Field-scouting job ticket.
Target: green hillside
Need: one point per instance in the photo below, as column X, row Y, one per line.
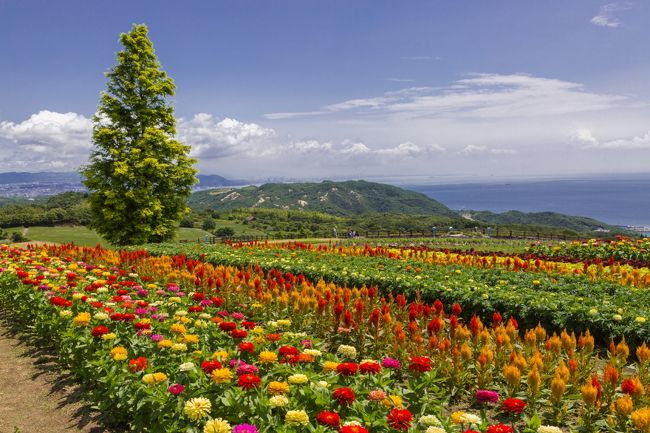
column 548, row 219
column 335, row 198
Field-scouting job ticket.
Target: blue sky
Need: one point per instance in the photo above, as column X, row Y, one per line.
column 337, row 89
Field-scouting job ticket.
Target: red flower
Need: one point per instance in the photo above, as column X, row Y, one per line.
column 330, row 419
column 248, row 381
column 227, row 326
column 98, row 331
column 142, row 325
column 239, row 333
column 420, row 363
column 247, row 347
column 628, row 386
column 353, row 429
column 469, row 430
column 456, row 309
column 346, row 368
column 370, row 367
column 288, row 350
column 137, row 364
column 399, row 419
column 60, row 302
column 273, row 337
column 210, row 366
column 513, row 405
column 499, row 428
column 248, row 324
column 344, row 396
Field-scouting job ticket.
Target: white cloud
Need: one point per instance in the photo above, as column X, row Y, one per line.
column 586, row 139
column 607, row 14
column 47, row 140
column 213, row 138
column 481, row 149
column 481, row 96
column 400, row 80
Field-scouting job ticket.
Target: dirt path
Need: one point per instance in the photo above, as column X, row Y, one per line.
column 35, row 396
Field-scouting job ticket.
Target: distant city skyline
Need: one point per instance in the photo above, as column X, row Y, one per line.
column 366, row 89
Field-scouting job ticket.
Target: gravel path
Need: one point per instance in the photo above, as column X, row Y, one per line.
column 36, row 397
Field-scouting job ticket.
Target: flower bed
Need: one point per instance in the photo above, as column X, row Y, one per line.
column 176, row 345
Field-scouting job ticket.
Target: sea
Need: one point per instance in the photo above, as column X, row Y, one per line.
column 623, row 201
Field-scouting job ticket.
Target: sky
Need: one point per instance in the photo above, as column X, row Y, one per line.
column 424, row 91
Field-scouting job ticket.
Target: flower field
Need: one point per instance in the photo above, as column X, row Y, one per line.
column 622, row 250
column 174, row 344
column 609, row 300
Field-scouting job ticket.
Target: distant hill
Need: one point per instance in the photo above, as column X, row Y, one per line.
column 214, row 180
column 335, row 198
column 43, row 177
column 552, row 219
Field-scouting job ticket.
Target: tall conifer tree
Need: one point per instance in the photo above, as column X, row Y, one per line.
column 139, row 176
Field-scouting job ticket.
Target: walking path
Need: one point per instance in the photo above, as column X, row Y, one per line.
column 35, row 396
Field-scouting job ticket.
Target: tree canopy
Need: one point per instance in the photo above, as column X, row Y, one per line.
column 139, row 176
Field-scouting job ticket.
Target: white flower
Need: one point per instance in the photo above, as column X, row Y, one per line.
column 347, row 351
column 470, row 418
column 101, row 316
column 548, row 429
column 278, row 401
column 435, row 429
column 430, row 420
column 186, row 366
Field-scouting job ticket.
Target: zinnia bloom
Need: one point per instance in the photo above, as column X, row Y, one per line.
column 346, row 368
column 499, row 428
column 217, row 425
column 119, row 353
column 369, row 367
column 197, row 408
column 275, row 388
column 248, row 381
column 245, row 428
column 221, row 375
column 400, row 419
column 296, row 417
column 486, row 396
column 420, row 363
column 137, row 364
column 344, row 396
column 98, row 331
column 391, row 363
column 353, row 429
column 267, row 357
column 330, row 419
column 209, row 366
column 513, row 405
column 176, row 389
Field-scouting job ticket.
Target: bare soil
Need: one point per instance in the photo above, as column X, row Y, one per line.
column 36, row 396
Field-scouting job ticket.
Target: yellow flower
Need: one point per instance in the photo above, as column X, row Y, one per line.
column 221, row 355
column 278, row 401
column 109, row 336
column 275, row 388
column 589, row 394
column 119, row 353
column 177, row 328
column 165, row 344
column 393, row 401
column 640, row 319
column 329, row 366
column 197, row 408
column 641, row 419
column 179, row 347
column 65, row 314
column 284, row 322
column 221, row 375
column 434, row 429
column 347, row 351
column 267, row 357
column 152, row 379
column 191, row 339
column 296, row 417
column 623, row 405
column 82, row 319
column 298, row 379
column 217, row 425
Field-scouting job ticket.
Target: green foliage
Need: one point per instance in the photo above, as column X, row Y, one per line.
column 550, row 219
column 139, row 176
column 66, row 208
column 208, row 224
column 18, row 237
column 224, row 232
column 187, row 222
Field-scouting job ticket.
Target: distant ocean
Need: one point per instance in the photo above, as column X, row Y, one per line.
column 617, row 201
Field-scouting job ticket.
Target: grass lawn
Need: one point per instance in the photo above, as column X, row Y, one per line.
column 85, row 237
column 239, row 228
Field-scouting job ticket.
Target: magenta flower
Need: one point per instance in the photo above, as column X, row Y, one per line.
column 238, row 316
column 245, row 428
column 176, row 389
column 247, row 369
column 390, row 363
column 486, row 396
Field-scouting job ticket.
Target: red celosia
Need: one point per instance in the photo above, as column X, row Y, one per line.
column 420, row 363
column 346, row 368
column 513, row 405
column 399, row 419
column 628, row 386
column 248, row 381
column 330, row 419
column 344, row 396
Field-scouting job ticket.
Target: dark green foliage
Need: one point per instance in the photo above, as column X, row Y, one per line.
column 224, row 232
column 139, row 176
column 187, row 222
column 18, row 237
column 208, row 224
column 550, row 219
column 66, row 208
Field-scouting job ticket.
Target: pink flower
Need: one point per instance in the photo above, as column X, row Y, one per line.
column 176, row 389
column 486, row 396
